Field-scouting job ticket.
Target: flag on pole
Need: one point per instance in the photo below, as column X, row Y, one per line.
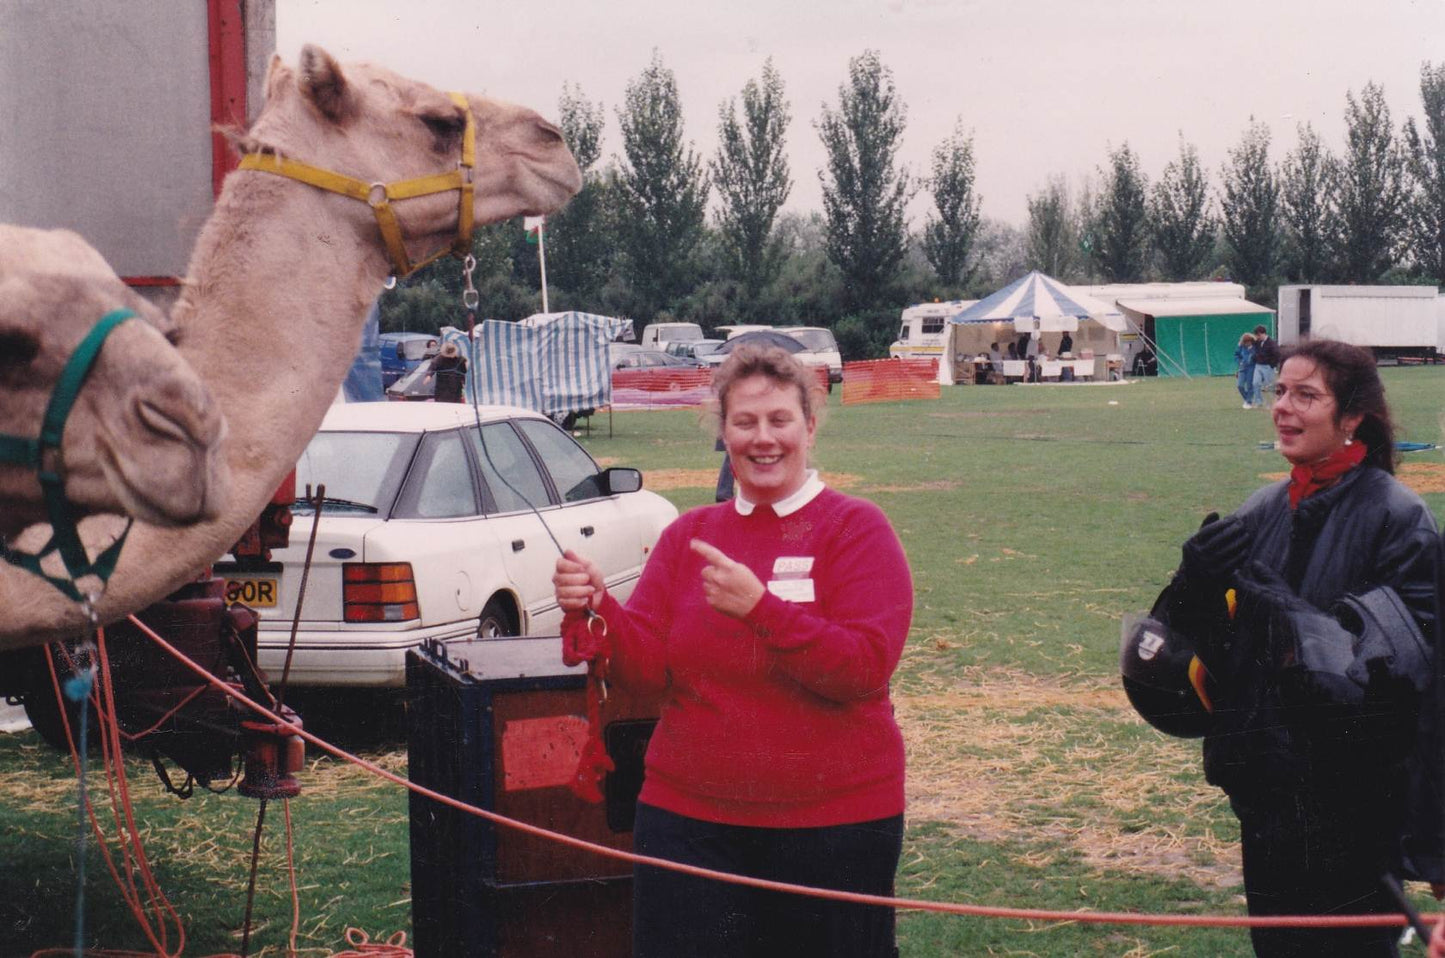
column 533, row 226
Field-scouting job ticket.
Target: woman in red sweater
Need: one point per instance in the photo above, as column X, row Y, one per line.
column 772, row 625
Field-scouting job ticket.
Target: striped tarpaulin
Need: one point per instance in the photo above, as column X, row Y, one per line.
column 1036, row 299
column 557, row 368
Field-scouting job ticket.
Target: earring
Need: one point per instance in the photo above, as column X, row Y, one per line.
column 1349, row 440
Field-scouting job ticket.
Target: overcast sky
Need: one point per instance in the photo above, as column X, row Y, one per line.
column 1046, row 86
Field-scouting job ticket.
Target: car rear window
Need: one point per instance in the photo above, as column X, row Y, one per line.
column 361, row 470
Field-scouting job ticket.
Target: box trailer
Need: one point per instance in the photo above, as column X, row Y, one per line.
column 1393, row 321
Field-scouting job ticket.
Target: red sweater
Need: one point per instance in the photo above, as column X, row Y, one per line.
column 782, row 720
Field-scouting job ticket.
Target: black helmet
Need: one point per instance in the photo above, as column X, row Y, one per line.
column 1166, row 682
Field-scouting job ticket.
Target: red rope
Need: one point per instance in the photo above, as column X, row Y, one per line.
column 908, row 904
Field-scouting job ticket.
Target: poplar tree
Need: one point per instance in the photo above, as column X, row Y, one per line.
column 1180, row 219
column 1119, row 224
column 864, row 191
column 1307, row 180
column 751, row 174
column 578, row 247
column 1251, row 207
column 948, row 237
column 1427, row 175
column 1370, row 193
column 662, row 193
column 1052, row 239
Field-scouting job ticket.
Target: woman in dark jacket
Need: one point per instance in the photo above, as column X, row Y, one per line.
column 1310, row 607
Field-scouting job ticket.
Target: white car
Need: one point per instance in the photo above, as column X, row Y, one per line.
column 432, row 529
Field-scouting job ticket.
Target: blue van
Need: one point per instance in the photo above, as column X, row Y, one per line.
column 403, row 352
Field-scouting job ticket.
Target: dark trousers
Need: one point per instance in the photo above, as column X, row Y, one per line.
column 675, row 914
column 1308, row 856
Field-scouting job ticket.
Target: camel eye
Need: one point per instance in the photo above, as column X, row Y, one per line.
column 445, row 126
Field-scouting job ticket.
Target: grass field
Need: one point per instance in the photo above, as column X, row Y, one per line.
column 1033, row 517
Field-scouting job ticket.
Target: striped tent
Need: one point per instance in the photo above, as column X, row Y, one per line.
column 1039, row 303
column 556, row 368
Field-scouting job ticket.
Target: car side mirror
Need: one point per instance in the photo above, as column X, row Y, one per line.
column 619, row 479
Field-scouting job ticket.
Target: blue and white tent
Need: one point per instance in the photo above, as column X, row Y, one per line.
column 1039, row 303
column 556, row 368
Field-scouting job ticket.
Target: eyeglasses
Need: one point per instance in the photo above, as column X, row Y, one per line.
column 1301, row 399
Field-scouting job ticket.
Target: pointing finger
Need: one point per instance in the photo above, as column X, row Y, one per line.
column 712, row 554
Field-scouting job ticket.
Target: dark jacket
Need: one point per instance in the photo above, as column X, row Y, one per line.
column 451, row 377
column 1365, row 532
column 1266, row 352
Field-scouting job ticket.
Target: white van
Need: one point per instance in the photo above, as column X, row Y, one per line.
column 921, row 334
column 658, row 335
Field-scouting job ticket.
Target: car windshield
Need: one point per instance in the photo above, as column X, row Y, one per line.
column 705, row 348
column 814, row 340
column 360, row 470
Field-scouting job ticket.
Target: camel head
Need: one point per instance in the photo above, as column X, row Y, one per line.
column 372, row 126
column 143, row 437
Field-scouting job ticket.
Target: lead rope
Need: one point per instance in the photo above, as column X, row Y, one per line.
column 584, row 639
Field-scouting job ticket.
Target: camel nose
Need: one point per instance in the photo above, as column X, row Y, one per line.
column 179, row 408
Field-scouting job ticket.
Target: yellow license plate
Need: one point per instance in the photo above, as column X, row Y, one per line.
column 258, row 593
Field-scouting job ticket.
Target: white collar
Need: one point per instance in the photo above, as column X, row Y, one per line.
column 806, row 493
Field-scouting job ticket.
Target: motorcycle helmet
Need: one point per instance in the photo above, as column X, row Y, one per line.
column 1165, row 681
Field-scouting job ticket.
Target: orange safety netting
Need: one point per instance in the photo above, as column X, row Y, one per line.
column 890, row 380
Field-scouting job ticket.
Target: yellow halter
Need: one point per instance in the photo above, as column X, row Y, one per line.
column 379, row 195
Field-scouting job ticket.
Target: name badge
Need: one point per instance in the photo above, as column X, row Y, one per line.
column 792, row 567
column 792, row 590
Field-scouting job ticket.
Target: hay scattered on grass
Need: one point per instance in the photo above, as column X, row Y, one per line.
column 1006, row 756
column 1422, row 477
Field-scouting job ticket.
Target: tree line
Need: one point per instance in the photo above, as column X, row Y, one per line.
column 638, row 240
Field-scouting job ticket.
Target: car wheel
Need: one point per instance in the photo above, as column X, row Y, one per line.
column 495, row 621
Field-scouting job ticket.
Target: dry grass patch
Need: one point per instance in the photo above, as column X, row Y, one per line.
column 1422, row 477
column 1006, row 756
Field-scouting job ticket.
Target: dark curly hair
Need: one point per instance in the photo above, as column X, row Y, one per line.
column 1353, row 379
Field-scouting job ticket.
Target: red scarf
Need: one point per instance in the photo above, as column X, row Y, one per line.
column 1308, row 479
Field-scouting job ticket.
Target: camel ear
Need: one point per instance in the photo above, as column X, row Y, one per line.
column 277, row 75
column 323, row 84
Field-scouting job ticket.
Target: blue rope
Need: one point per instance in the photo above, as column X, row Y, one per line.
column 77, row 689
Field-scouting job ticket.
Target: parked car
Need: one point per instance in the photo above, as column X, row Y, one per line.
column 696, row 352
column 403, row 352
column 658, row 335
column 436, row 527
column 649, row 359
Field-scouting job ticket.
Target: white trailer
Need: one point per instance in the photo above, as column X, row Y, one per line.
column 922, row 332
column 1392, row 321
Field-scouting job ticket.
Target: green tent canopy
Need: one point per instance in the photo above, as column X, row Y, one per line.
column 1196, row 337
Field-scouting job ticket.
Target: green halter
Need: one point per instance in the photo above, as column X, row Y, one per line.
column 21, row 451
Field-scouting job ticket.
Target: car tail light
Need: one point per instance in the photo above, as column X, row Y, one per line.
column 378, row 592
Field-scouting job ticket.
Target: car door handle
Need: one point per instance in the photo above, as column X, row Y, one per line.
column 588, row 530
column 518, row 545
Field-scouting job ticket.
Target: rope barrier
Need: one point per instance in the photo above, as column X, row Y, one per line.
column 907, row 904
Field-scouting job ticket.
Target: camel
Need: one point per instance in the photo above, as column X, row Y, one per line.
column 279, row 284
column 144, row 435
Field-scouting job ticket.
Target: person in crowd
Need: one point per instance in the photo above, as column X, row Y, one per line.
column 1266, row 363
column 1031, row 353
column 1066, row 345
column 1244, row 369
column 1013, row 351
column 449, row 369
column 1312, row 609
column 770, row 625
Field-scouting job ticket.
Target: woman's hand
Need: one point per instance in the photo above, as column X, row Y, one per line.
column 577, row 582
column 730, row 587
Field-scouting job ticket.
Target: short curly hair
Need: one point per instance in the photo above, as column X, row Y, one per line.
column 774, row 363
